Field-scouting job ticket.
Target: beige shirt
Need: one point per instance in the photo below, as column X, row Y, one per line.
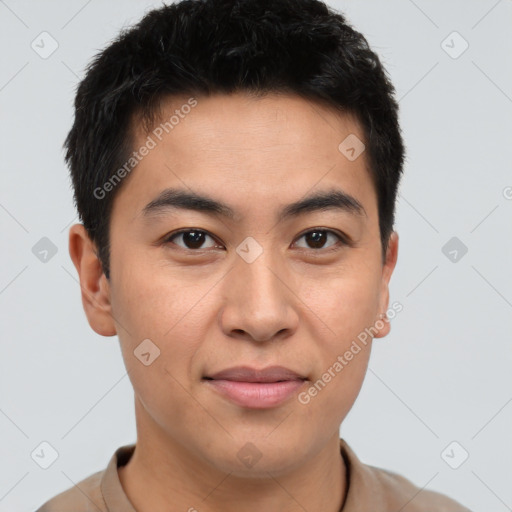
column 370, row 489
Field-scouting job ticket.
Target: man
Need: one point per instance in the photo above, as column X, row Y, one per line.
column 235, row 167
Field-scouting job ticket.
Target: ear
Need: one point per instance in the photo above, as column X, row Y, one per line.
column 93, row 283
column 387, row 270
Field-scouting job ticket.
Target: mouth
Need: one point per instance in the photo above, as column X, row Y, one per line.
column 256, row 389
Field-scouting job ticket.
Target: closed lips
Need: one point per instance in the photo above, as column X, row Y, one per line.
column 248, row 374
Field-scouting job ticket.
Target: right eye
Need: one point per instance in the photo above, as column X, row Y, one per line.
column 192, row 239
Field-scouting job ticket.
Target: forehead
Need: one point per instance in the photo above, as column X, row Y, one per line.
column 253, row 123
column 242, row 148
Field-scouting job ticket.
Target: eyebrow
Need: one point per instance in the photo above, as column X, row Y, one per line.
column 173, row 198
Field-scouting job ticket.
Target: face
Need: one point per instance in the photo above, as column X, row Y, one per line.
column 241, row 279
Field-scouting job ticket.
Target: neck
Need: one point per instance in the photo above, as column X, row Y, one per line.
column 162, row 472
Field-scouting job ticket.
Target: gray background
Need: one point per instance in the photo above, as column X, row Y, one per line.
column 444, row 372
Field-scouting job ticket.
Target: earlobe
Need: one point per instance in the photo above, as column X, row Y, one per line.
column 95, row 288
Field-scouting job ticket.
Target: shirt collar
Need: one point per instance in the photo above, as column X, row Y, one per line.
column 111, row 488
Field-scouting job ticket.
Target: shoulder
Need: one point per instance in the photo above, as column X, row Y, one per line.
column 82, row 497
column 403, row 493
column 378, row 488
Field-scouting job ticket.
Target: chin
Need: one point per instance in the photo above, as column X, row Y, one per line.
column 257, row 456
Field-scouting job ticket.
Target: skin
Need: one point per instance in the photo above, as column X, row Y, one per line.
column 296, row 305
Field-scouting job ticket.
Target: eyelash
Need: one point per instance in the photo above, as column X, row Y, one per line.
column 343, row 240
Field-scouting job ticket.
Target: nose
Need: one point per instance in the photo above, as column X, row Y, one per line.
column 259, row 303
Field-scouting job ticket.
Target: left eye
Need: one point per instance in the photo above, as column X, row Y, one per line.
column 317, row 238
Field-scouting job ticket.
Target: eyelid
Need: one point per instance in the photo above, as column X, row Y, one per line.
column 339, row 234
column 343, row 239
column 167, row 238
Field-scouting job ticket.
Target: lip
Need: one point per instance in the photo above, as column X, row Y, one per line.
column 249, row 374
column 256, row 389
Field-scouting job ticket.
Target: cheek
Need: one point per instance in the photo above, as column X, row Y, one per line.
column 345, row 305
column 149, row 304
column 149, row 298
column 329, row 399
column 342, row 310
column 343, row 362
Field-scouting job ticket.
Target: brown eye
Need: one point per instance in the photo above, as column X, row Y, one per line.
column 317, row 238
column 191, row 239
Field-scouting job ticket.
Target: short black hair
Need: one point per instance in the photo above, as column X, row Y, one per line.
column 204, row 47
